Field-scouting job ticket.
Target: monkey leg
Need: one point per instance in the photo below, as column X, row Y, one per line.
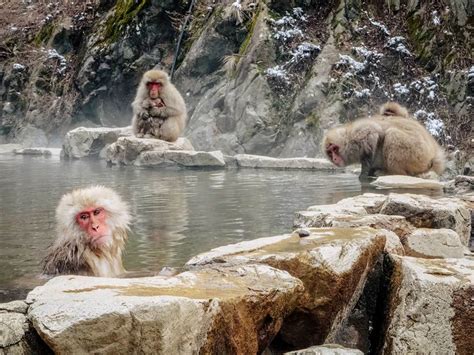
column 170, row 130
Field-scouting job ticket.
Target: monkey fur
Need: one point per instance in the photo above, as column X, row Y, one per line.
column 390, row 142
column 71, row 252
column 164, row 117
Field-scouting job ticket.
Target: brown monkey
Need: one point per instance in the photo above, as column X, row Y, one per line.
column 92, row 225
column 391, row 142
column 158, row 109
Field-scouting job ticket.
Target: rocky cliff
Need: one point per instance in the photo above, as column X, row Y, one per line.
column 260, row 77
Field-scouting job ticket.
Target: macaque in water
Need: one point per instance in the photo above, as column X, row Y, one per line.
column 91, row 225
column 390, row 142
column 158, row 109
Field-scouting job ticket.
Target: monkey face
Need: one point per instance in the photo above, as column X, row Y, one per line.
column 154, row 89
column 332, row 151
column 93, row 221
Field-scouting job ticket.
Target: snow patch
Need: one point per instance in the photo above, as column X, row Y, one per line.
column 401, row 89
column 396, row 44
column 435, row 18
column 18, row 66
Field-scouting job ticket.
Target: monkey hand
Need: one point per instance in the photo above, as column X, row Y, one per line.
column 144, row 115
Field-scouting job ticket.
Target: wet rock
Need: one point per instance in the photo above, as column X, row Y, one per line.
column 333, row 265
column 431, row 306
column 259, row 161
column 126, row 150
column 406, row 182
column 89, row 142
column 424, row 212
column 14, row 306
column 434, row 243
column 46, row 152
column 213, row 310
column 187, row 158
column 371, row 202
column 326, row 349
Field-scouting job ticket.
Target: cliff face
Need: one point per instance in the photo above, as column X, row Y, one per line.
column 262, row 77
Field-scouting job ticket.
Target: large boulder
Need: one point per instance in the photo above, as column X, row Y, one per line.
column 185, row 158
column 434, row 243
column 333, row 265
column 90, row 142
column 431, row 306
column 212, row 310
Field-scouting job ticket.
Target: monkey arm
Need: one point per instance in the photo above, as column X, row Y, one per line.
column 165, row 111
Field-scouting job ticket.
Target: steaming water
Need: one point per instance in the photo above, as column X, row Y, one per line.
column 178, row 213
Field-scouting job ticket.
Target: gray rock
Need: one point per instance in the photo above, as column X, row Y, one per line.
column 12, row 328
column 89, row 142
column 186, row 158
column 259, row 161
column 46, row 152
column 431, row 306
column 434, row 243
column 406, row 182
column 14, row 306
column 326, row 349
column 9, row 148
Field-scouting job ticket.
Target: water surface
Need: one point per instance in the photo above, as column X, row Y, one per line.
column 178, row 213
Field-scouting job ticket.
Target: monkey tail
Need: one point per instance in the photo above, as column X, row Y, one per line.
column 438, row 163
column 393, row 109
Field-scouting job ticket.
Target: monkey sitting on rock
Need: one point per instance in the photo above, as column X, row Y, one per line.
column 159, row 110
column 390, row 142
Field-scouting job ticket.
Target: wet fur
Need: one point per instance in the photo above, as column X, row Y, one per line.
column 71, row 253
column 166, row 122
column 391, row 142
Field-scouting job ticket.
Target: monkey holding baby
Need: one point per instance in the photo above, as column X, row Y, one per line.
column 390, row 142
column 159, row 110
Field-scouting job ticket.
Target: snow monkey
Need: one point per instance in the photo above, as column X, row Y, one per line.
column 390, row 141
column 158, row 109
column 91, row 225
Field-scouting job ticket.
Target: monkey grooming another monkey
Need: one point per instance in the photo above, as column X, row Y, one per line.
column 390, row 141
column 158, row 109
column 92, row 225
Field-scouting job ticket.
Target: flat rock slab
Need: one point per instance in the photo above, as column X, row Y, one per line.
column 432, row 307
column 184, row 158
column 39, row 151
column 332, row 263
column 434, row 243
column 213, row 310
column 9, row 148
column 406, row 182
column 260, row 161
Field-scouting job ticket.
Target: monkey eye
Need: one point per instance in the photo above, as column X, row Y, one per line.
column 84, row 216
column 97, row 211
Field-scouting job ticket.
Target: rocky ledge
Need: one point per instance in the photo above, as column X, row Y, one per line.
column 382, row 273
column 119, row 146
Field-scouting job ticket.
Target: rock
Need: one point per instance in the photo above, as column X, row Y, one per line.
column 212, row 310
column 127, row 149
column 372, row 203
column 89, row 142
column 12, row 328
column 424, row 212
column 14, row 306
column 46, row 152
column 326, row 349
column 260, row 161
column 9, row 148
column 434, row 243
column 406, row 182
column 431, row 306
column 187, row 158
column 325, row 215
column 333, row 265
column 30, row 136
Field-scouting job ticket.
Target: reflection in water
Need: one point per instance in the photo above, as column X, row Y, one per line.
column 177, row 213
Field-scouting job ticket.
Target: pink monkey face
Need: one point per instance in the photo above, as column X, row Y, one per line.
column 93, row 221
